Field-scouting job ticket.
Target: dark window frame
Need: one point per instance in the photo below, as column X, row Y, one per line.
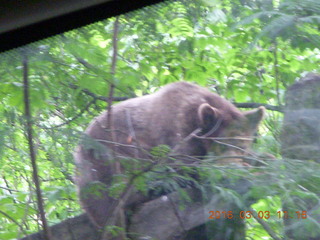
column 24, row 22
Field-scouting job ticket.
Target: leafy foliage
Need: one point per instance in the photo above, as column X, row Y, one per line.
column 247, row 51
column 293, row 20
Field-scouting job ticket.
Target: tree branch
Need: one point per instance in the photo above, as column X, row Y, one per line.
column 73, row 118
column 255, row 105
column 240, row 105
column 95, row 96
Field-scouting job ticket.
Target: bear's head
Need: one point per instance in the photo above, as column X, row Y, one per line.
column 229, row 142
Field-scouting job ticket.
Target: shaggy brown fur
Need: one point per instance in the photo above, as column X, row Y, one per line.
column 167, row 117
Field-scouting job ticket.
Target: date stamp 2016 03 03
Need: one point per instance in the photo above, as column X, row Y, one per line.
column 257, row 214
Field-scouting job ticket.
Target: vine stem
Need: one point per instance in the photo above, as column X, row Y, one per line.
column 113, row 70
column 121, row 222
column 276, row 69
column 46, row 230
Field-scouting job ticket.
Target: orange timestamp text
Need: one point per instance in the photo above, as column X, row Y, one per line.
column 257, row 214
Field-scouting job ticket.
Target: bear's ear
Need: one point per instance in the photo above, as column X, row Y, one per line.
column 255, row 116
column 208, row 116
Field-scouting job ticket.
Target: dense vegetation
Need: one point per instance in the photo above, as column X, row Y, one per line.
column 249, row 51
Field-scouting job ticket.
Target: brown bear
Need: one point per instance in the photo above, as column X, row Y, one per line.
column 188, row 118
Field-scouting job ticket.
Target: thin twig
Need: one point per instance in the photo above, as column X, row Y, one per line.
column 276, row 69
column 118, row 212
column 14, row 221
column 7, row 186
column 186, row 139
column 111, row 91
column 235, row 147
column 176, row 213
column 264, row 225
column 9, row 189
column 123, row 145
column 46, row 230
column 113, row 70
